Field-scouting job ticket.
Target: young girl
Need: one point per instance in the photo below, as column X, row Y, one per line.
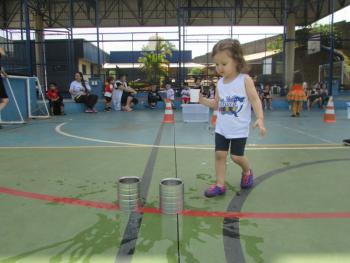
column 234, row 97
column 185, row 94
column 108, row 93
column 170, row 94
column 297, row 95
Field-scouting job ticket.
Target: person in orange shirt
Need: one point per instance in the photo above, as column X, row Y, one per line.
column 296, row 96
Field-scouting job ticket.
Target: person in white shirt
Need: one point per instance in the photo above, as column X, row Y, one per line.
column 80, row 91
column 170, row 94
column 234, row 98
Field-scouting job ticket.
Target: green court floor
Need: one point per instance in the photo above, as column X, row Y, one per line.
column 298, row 210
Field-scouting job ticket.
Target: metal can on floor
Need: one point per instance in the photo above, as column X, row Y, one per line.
column 129, row 193
column 171, row 194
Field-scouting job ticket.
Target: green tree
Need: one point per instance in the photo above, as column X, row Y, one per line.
column 304, row 34
column 276, row 44
column 154, row 59
column 195, row 72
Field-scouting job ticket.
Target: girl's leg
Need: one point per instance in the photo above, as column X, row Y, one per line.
column 220, row 167
column 3, row 102
column 243, row 162
column 294, row 108
column 270, row 103
column 128, row 104
column 300, row 106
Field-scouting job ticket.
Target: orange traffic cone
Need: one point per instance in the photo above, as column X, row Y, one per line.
column 214, row 117
column 329, row 115
column 169, row 114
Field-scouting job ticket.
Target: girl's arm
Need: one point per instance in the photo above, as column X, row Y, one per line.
column 211, row 103
column 2, row 72
column 73, row 88
column 254, row 99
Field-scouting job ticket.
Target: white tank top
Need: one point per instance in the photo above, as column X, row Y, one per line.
column 234, row 111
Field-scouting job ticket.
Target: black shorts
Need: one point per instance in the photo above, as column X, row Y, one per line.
column 125, row 96
column 223, row 144
column 3, row 94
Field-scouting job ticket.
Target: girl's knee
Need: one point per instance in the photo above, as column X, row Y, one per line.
column 220, row 156
column 236, row 158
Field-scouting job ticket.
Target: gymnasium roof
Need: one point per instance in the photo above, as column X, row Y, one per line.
column 127, row 13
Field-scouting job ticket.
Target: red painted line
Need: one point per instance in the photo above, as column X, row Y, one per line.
column 263, row 215
column 58, row 199
column 192, row 213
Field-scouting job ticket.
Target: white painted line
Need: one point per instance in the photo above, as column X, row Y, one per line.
column 306, row 134
column 59, row 130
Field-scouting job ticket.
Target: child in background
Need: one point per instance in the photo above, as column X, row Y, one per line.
column 297, row 95
column 170, row 94
column 211, row 93
column 185, row 94
column 267, row 97
column 234, row 98
column 55, row 100
column 108, row 93
column 153, row 97
column 117, row 94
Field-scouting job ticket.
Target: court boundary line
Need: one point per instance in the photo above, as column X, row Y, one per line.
column 60, row 131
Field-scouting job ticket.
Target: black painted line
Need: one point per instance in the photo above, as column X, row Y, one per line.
column 177, row 216
column 231, row 236
column 128, row 243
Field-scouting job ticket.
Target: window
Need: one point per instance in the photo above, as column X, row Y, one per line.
column 84, row 69
column 267, row 67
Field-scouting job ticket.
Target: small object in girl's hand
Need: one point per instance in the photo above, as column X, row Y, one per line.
column 194, row 95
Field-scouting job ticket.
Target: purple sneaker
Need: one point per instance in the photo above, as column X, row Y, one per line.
column 215, row 190
column 247, row 181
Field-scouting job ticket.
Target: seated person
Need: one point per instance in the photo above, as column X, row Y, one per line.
column 324, row 95
column 153, row 97
column 55, row 100
column 80, row 91
column 313, row 97
column 267, row 97
column 108, row 92
column 128, row 99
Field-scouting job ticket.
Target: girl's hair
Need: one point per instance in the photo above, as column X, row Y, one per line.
column 82, row 79
column 234, row 48
column 110, row 79
column 298, row 78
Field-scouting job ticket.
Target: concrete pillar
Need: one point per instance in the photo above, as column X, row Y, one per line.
column 290, row 50
column 39, row 49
